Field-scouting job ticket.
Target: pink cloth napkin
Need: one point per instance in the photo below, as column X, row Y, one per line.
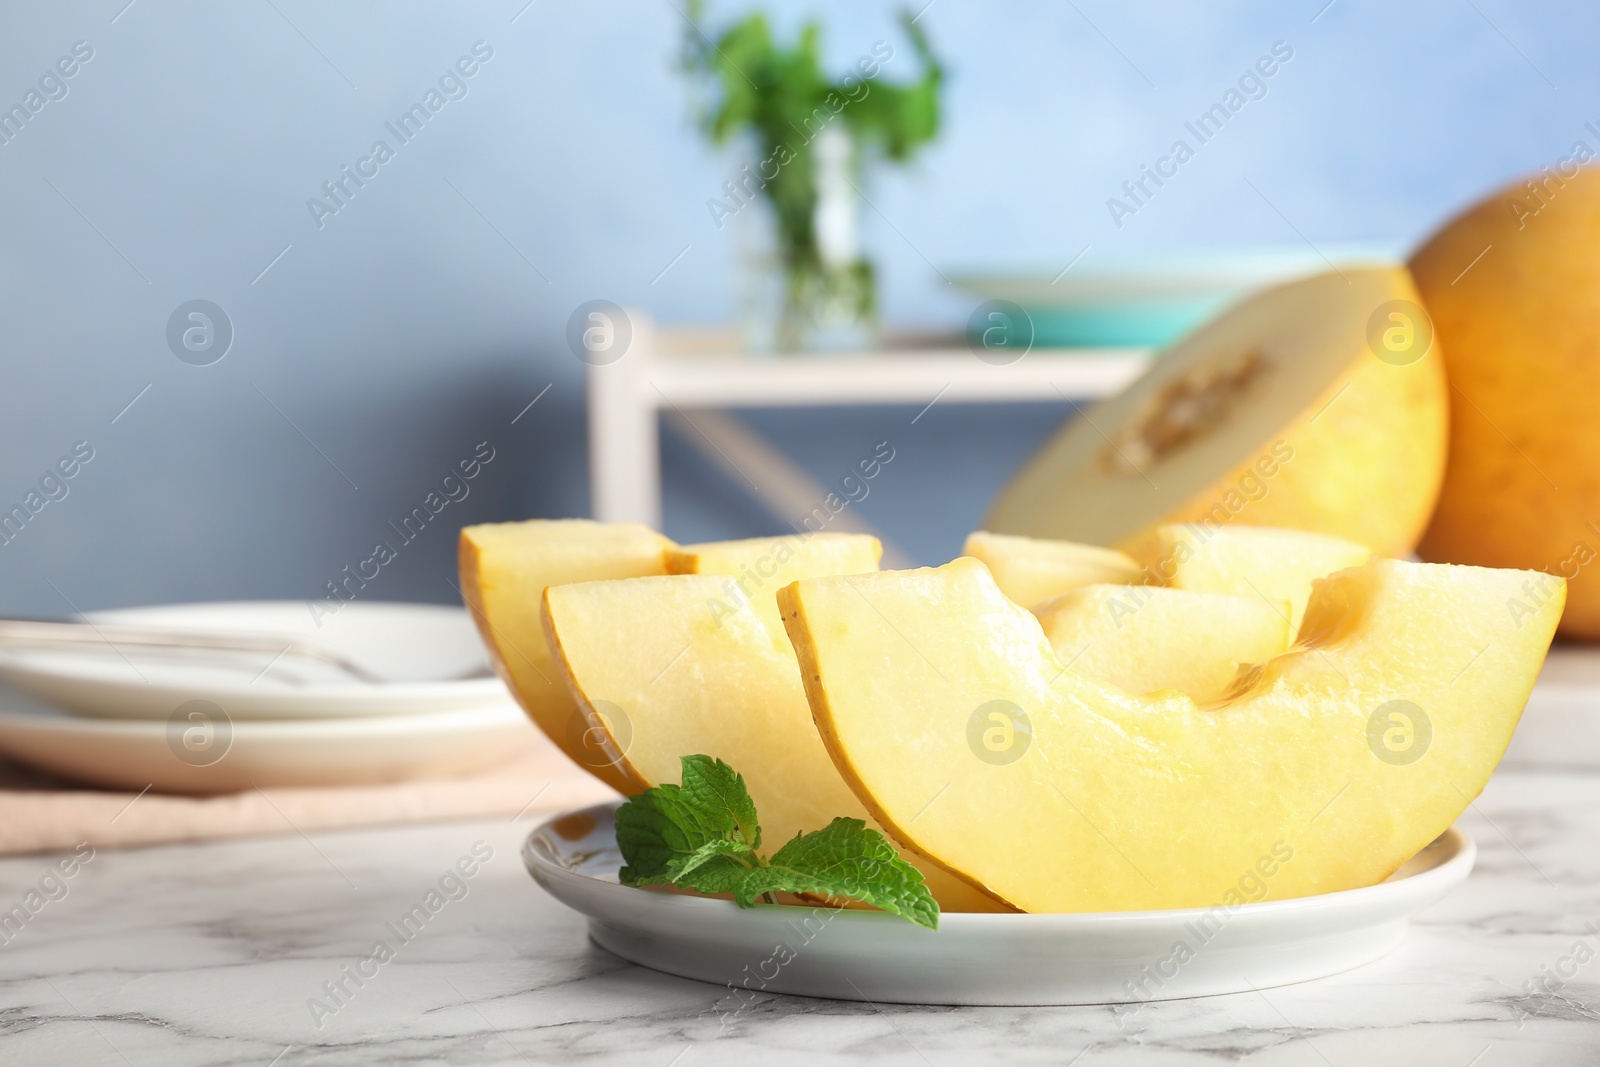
column 39, row 813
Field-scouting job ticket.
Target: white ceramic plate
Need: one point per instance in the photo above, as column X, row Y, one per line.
column 190, row 754
column 424, row 648
column 1105, row 958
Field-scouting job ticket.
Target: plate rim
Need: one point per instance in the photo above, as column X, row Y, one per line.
column 1462, row 857
column 62, row 722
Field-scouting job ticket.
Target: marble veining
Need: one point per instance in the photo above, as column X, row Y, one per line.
column 215, row 954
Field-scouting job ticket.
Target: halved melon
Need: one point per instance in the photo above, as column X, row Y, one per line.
column 946, row 711
column 672, row 666
column 1277, row 413
column 1146, row 638
column 1274, row 566
column 505, row 568
column 1030, row 570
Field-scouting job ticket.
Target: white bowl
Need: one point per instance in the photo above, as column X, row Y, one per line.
column 1102, row 958
column 424, row 648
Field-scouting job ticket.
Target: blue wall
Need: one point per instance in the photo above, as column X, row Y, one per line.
column 423, row 316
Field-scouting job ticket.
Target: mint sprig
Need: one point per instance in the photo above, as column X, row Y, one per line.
column 704, row 835
column 700, row 835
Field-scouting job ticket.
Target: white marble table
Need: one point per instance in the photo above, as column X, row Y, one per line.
column 210, row 955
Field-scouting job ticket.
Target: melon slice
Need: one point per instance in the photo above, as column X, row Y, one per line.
column 1030, row 570
column 668, row 667
column 1274, row 566
column 505, row 568
column 1341, row 761
column 758, row 567
column 1277, row 413
column 1146, row 638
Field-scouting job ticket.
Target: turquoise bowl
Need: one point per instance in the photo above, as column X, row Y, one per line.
column 1150, row 300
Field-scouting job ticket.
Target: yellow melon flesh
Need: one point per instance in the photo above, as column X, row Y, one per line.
column 1146, row 638
column 1030, row 570
column 505, row 568
column 757, row 568
column 1277, row 413
column 670, row 668
column 691, row 677
column 1273, row 566
column 1118, row 802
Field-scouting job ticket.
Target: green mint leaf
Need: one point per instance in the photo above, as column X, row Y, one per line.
column 718, row 790
column 716, row 867
column 845, row 859
column 721, row 861
column 701, row 835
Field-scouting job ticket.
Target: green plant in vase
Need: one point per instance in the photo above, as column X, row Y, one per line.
column 814, row 136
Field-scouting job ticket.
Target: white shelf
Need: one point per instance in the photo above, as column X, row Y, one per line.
column 896, row 377
column 685, row 371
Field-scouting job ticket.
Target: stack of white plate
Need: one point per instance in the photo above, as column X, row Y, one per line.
column 217, row 722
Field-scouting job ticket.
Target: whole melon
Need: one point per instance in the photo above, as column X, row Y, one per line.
column 1513, row 287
